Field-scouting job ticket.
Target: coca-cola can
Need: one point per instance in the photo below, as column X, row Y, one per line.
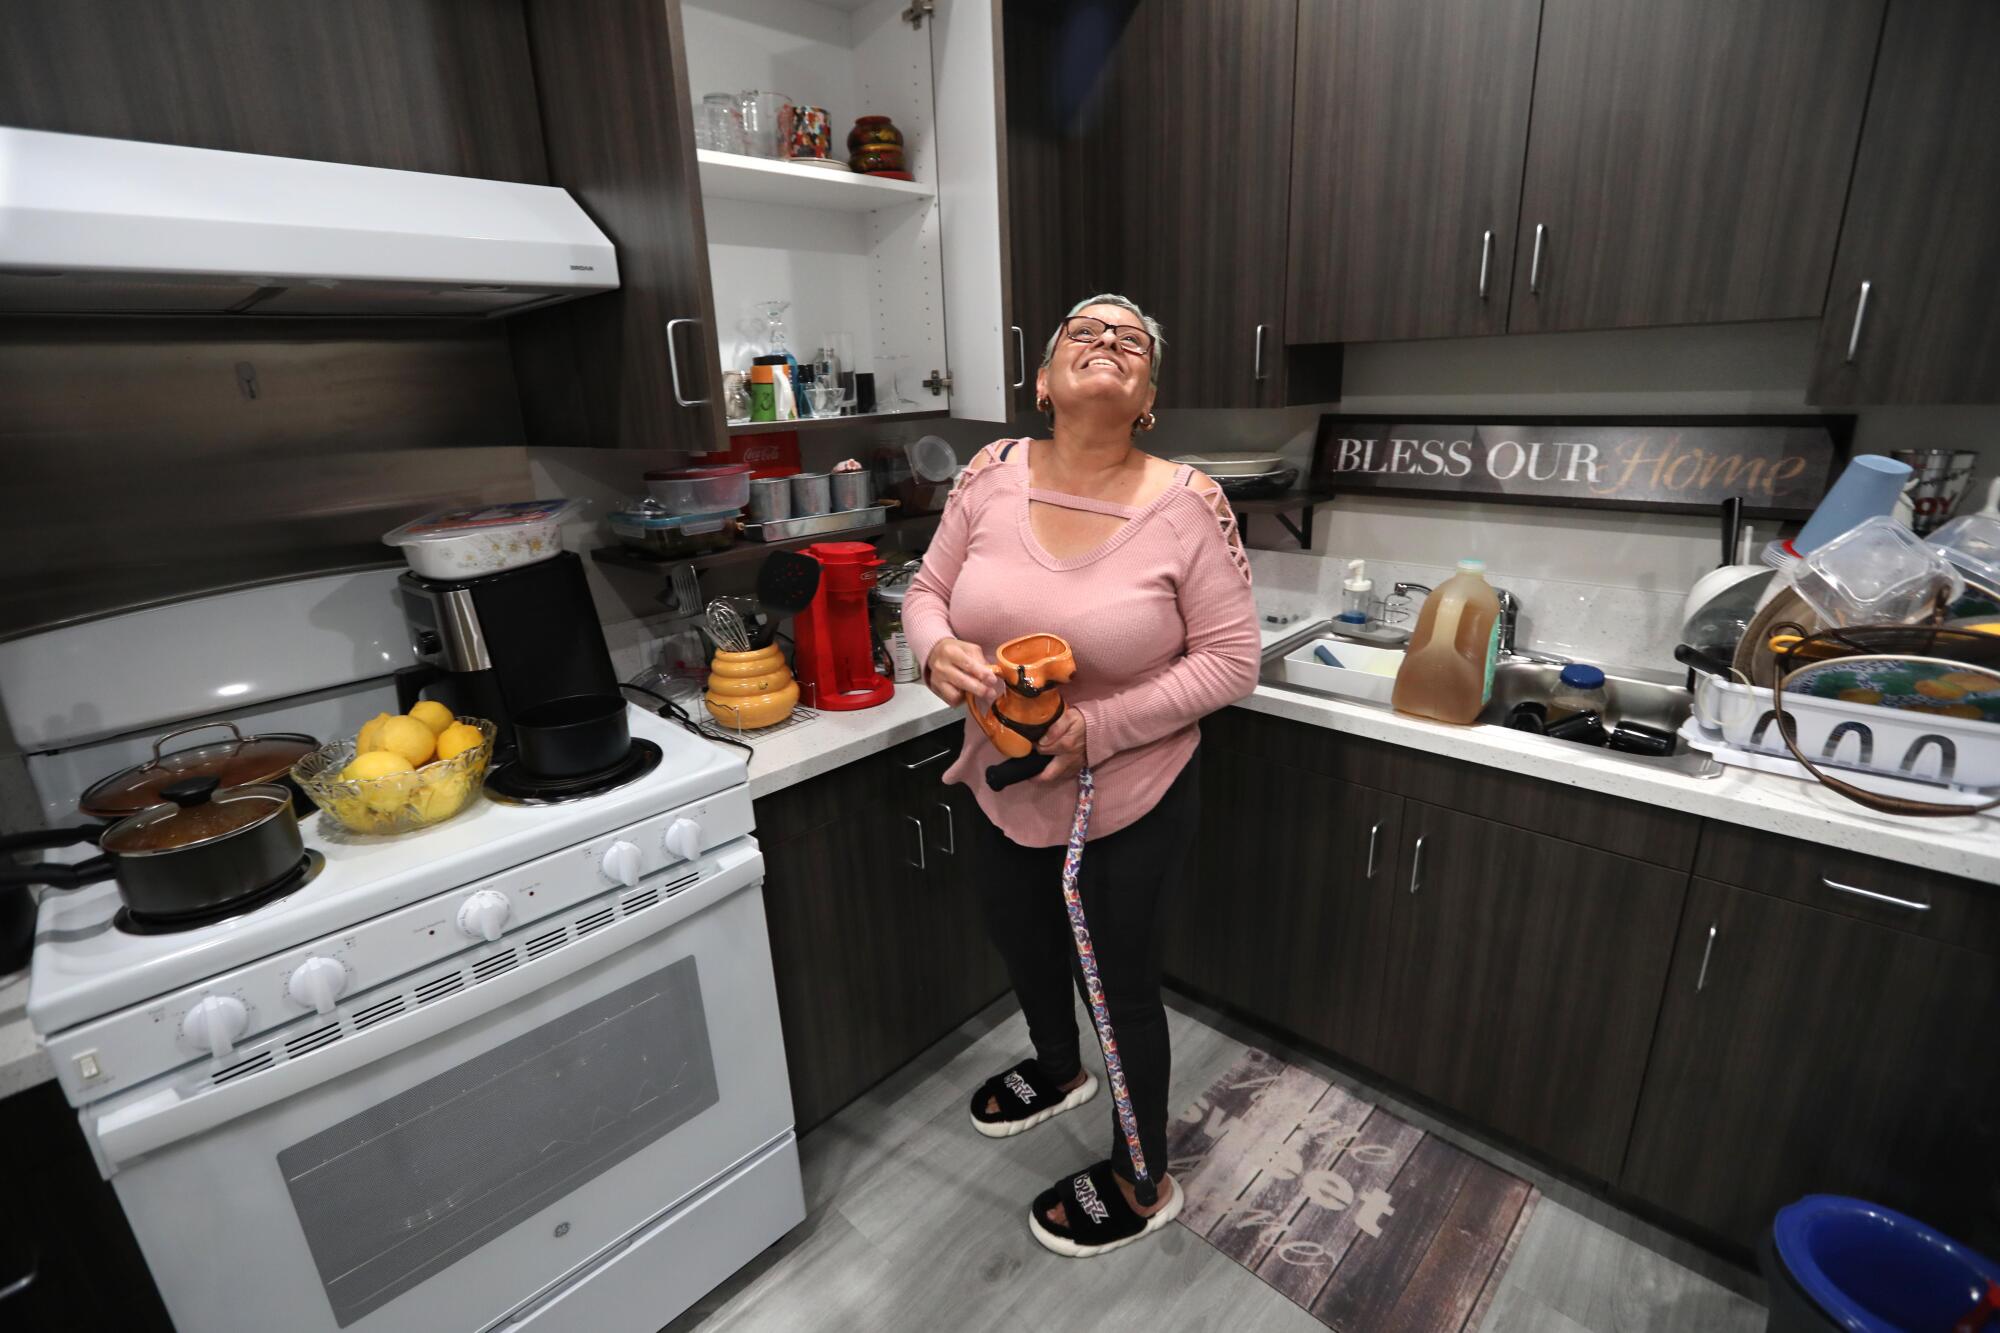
column 1938, row 481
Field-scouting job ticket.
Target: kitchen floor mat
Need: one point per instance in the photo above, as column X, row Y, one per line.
column 1359, row 1218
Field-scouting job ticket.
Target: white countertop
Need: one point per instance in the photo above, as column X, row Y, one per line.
column 833, row 739
column 23, row 1063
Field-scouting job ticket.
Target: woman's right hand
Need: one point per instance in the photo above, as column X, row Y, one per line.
column 958, row 668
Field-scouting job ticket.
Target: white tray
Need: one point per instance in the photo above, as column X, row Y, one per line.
column 1350, row 680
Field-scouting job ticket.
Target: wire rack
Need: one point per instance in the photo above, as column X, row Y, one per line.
column 800, row 717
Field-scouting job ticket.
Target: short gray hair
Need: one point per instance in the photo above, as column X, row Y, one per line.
column 1123, row 303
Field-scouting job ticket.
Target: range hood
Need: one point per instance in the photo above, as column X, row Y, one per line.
column 102, row 226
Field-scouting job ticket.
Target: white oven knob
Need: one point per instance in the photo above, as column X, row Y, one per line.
column 624, row 863
column 317, row 983
column 484, row 914
column 682, row 839
column 216, row 1024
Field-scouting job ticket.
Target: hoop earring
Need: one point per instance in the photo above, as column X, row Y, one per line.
column 1042, row 405
column 1147, row 422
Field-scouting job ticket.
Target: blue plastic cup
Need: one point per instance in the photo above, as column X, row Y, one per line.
column 1868, row 488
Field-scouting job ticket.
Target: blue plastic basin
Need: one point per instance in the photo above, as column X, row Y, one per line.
column 1873, row 1270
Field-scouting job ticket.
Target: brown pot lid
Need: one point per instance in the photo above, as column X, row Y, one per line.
column 197, row 810
column 237, row 762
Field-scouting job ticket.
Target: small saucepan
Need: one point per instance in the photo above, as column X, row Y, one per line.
column 204, row 847
column 572, row 737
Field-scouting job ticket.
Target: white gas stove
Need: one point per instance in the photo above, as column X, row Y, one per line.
column 522, row 1068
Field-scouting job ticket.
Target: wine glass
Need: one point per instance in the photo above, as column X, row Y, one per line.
column 773, row 313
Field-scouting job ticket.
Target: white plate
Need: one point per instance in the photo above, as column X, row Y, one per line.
column 820, row 163
column 1234, row 463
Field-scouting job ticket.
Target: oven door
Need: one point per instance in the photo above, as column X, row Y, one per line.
column 542, row 1115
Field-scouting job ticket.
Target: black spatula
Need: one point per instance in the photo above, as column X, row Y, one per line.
column 786, row 582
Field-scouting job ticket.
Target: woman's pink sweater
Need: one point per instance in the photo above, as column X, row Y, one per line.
column 1159, row 616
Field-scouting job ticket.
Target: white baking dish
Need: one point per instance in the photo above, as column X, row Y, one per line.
column 465, row 543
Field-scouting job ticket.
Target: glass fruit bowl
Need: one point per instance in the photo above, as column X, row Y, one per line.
column 400, row 802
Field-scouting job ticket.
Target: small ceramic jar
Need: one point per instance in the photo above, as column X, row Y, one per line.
column 875, row 145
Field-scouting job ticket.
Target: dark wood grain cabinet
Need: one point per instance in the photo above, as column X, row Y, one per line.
column 1912, row 316
column 1801, row 1051
column 1524, row 981
column 1688, row 160
column 1412, row 122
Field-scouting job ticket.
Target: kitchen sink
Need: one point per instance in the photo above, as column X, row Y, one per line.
column 1629, row 699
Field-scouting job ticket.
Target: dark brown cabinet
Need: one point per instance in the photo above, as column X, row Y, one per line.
column 638, row 367
column 1179, row 193
column 876, row 937
column 1802, row 1051
column 1912, row 316
column 1406, row 167
column 1287, row 913
column 1041, row 241
column 1524, row 981
column 1688, row 160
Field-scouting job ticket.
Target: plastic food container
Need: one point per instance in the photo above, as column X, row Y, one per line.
column 1972, row 542
column 724, row 488
column 674, row 536
column 465, row 543
column 1876, row 573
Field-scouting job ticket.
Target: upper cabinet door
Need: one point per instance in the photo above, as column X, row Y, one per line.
column 1406, row 167
column 634, row 368
column 966, row 56
column 1688, row 159
column 1921, row 220
column 1184, row 185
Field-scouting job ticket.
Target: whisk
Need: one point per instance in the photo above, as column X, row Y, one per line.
column 725, row 626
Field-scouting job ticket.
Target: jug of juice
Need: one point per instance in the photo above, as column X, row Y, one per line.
column 1447, row 671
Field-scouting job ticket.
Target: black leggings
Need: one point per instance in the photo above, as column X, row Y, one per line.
column 1123, row 878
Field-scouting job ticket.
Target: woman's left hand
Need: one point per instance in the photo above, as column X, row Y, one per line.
column 1064, row 739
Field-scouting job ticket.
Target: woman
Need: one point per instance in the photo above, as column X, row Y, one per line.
column 1136, row 563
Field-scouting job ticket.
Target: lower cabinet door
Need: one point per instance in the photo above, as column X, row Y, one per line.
column 1286, row 913
column 1525, row 981
column 1804, row 1052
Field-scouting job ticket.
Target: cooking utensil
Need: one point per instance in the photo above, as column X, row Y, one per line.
column 201, row 849
column 572, row 737
column 760, row 624
column 787, row 582
column 727, row 628
column 237, row 762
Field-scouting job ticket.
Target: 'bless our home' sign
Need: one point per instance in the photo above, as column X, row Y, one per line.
column 1778, row 466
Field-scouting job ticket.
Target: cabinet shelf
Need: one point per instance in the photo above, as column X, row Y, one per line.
column 1284, row 506
column 748, row 552
column 830, row 423
column 763, row 180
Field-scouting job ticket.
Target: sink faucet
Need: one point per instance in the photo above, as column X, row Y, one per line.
column 1405, row 589
column 1510, row 615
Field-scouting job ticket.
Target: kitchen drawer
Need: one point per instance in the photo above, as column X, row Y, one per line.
column 1941, row 907
column 1650, row 833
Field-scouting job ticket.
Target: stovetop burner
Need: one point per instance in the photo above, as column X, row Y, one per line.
column 143, row 923
column 511, row 784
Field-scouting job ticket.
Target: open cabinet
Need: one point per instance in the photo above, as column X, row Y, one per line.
column 906, row 279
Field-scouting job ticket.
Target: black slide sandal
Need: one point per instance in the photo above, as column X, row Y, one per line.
column 1026, row 1097
column 1098, row 1218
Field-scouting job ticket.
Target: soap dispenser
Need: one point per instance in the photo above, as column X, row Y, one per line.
column 1357, row 597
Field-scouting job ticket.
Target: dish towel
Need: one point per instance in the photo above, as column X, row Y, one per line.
column 1100, row 1013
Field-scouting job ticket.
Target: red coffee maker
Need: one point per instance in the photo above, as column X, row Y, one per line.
column 835, row 658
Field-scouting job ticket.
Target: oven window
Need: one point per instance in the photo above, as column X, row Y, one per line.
column 405, row 1189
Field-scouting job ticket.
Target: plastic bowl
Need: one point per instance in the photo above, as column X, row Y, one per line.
column 401, row 802
column 702, row 490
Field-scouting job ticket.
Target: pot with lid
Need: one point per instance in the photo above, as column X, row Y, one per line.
column 200, row 850
column 239, row 761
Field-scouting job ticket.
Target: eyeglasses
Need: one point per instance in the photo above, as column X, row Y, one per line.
column 1087, row 329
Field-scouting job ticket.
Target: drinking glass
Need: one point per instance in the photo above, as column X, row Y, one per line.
column 721, row 126
column 760, row 112
column 826, row 399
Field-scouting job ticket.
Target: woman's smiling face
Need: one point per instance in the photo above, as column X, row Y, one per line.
column 1108, row 375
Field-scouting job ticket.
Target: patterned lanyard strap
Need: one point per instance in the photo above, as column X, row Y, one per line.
column 1100, row 1013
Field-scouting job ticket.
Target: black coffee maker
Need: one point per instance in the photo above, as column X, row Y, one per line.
column 497, row 644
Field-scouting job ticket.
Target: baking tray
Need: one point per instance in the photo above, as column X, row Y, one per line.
column 818, row 525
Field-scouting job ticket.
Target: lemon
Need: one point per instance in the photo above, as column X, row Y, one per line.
column 433, row 715
column 374, row 764
column 370, row 737
column 456, row 739
column 441, row 797
column 408, row 738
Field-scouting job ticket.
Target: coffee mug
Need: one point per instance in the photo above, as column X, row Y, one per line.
column 807, row 132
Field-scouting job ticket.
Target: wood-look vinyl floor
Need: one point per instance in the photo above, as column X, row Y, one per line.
column 916, row 1222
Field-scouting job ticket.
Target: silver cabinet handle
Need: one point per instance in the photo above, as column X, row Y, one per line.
column 1535, row 263
column 1485, row 261
column 1020, row 354
column 919, row 862
column 1701, row 978
column 1860, row 313
column 923, row 763
column 674, row 366
column 1257, row 368
column 1417, row 867
column 1907, row 904
column 950, row 829
column 1372, row 832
